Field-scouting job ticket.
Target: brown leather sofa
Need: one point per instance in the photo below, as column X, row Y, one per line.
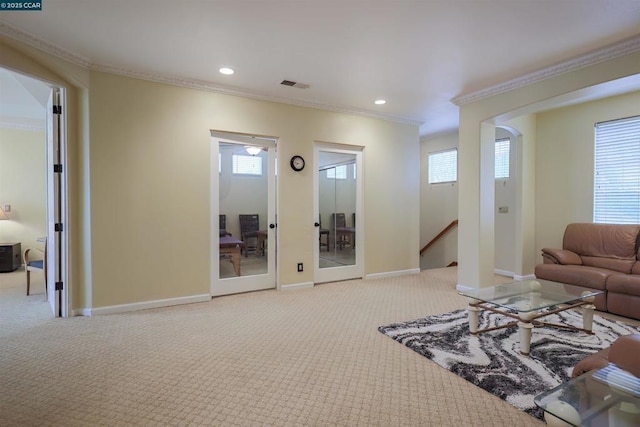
column 605, row 257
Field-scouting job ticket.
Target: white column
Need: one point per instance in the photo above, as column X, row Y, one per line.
column 476, row 203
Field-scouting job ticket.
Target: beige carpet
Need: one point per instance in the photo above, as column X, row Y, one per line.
column 310, row 357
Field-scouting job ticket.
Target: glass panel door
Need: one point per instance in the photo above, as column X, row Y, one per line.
column 243, row 214
column 338, row 195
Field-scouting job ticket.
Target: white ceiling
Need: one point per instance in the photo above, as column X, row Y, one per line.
column 416, row 54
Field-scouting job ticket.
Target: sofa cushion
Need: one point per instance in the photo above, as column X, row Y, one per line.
column 595, row 242
column 578, row 275
column 624, row 284
column 623, row 305
column 617, row 265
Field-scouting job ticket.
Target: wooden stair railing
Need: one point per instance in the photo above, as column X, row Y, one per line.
column 448, row 228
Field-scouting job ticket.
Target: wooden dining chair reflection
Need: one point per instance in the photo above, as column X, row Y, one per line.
column 39, row 264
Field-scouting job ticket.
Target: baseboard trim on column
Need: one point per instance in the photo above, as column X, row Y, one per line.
column 392, row 273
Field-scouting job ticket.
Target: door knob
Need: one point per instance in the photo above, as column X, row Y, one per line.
column 316, row 224
column 272, row 226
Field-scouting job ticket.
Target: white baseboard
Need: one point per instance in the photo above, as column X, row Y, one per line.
column 504, row 272
column 392, row 273
column 294, row 286
column 515, row 276
column 81, row 312
column 462, row 288
column 124, row 308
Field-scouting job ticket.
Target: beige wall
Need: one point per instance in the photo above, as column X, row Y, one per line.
column 565, row 149
column 138, row 181
column 23, row 186
column 150, row 193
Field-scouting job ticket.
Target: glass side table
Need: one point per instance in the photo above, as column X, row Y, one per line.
column 607, row 397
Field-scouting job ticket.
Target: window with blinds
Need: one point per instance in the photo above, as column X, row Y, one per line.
column 338, row 172
column 443, row 166
column 247, row 165
column 617, row 172
column 503, row 147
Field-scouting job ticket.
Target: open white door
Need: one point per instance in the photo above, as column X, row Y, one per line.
column 56, row 294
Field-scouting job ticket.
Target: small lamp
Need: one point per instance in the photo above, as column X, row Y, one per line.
column 3, row 215
column 253, row 150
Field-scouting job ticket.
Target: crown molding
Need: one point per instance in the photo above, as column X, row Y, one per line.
column 36, row 42
column 234, row 91
column 628, row 46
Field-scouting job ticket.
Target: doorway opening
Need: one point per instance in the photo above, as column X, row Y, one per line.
column 34, row 135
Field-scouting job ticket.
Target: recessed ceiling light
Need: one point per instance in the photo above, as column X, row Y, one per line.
column 380, row 102
column 227, row 71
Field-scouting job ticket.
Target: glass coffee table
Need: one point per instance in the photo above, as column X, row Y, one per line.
column 607, row 397
column 526, row 302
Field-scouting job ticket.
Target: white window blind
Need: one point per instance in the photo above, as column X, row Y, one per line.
column 502, row 158
column 617, row 172
column 247, row 165
column 443, row 166
column 339, row 172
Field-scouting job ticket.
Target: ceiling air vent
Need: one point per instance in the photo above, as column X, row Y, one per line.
column 294, row 84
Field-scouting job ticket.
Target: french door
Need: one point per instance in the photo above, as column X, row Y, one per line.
column 243, row 215
column 338, row 213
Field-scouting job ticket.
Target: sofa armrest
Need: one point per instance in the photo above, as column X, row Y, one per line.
column 560, row 256
column 624, row 353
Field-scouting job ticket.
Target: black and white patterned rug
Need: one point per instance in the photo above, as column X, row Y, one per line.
column 492, row 360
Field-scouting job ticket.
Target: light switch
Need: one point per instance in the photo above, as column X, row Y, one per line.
column 503, row 209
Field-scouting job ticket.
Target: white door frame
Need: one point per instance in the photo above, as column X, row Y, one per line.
column 256, row 282
column 323, row 275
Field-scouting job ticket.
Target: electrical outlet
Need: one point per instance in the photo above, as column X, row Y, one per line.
column 503, row 209
column 300, row 268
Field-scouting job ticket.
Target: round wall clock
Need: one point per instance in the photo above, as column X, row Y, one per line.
column 297, row 163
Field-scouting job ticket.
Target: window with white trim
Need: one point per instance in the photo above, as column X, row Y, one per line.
column 503, row 147
column 443, row 166
column 617, row 172
column 247, row 165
